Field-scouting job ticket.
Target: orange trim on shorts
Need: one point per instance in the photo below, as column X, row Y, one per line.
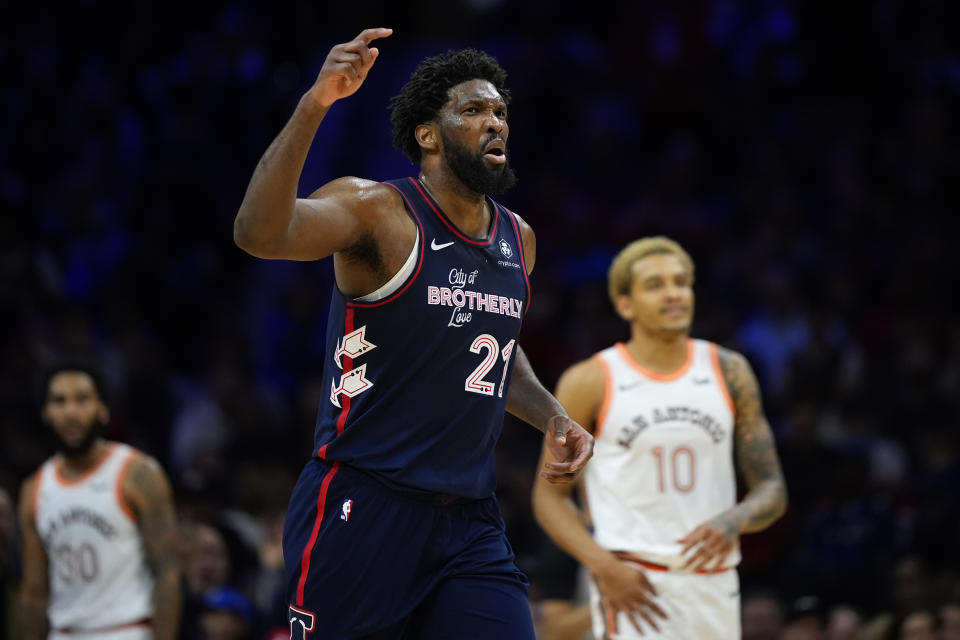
column 118, row 487
column 607, row 396
column 86, row 474
column 656, row 375
column 653, row 566
column 721, row 379
column 145, row 622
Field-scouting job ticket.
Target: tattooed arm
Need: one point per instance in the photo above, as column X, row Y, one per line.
column 148, row 493
column 31, row 614
column 757, row 460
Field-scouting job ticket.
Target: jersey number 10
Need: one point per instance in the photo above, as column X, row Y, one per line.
column 682, row 463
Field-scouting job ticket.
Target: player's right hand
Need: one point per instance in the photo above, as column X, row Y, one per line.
column 346, row 67
column 625, row 588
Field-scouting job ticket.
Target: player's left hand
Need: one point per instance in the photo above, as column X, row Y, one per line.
column 571, row 446
column 710, row 543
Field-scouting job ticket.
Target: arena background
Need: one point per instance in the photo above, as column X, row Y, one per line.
column 805, row 153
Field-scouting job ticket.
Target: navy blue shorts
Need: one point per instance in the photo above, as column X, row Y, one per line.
column 367, row 561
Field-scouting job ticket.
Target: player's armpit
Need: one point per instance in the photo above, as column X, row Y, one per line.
column 148, row 492
column 756, row 451
column 31, row 615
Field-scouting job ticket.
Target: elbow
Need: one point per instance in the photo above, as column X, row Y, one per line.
column 783, row 503
column 241, row 236
column 250, row 242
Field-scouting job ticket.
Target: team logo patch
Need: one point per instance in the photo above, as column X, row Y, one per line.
column 345, row 509
column 506, row 249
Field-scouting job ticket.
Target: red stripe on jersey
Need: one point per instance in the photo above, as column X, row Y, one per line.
column 449, row 225
column 344, row 398
column 308, row 550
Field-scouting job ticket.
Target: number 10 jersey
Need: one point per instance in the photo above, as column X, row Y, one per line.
column 415, row 383
column 663, row 458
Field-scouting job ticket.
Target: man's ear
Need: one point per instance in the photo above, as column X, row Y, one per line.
column 624, row 306
column 427, row 137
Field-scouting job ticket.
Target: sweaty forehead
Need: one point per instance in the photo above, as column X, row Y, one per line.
column 474, row 90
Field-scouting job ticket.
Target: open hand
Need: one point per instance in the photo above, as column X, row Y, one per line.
column 711, row 542
column 571, row 446
column 346, row 67
column 625, row 589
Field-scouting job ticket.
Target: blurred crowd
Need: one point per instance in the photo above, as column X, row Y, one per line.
column 807, row 159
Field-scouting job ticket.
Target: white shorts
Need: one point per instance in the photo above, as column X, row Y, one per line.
column 700, row 606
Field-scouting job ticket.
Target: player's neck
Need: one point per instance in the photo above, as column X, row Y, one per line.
column 72, row 467
column 465, row 209
column 663, row 354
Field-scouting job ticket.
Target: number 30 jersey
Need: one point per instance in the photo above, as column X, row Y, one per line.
column 415, row 382
column 99, row 576
column 663, row 457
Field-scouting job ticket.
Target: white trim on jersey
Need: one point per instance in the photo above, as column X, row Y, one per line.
column 394, row 283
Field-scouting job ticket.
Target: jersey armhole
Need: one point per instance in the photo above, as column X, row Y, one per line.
column 35, row 494
column 118, row 489
column 607, row 396
column 722, row 379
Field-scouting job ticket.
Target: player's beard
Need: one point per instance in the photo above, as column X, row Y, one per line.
column 472, row 170
column 85, row 445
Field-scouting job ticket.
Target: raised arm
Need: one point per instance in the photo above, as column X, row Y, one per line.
column 31, row 615
column 147, row 491
column 759, row 466
column 625, row 588
column 272, row 222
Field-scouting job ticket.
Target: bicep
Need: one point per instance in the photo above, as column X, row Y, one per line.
column 332, row 219
column 151, row 497
column 756, row 449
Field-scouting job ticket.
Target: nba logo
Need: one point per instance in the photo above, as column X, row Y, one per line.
column 345, row 509
column 505, row 248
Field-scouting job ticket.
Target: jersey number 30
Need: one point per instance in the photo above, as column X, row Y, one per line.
column 475, row 382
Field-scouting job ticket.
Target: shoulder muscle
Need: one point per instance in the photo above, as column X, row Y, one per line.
column 581, row 389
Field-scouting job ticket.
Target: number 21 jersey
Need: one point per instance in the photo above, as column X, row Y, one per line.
column 415, row 383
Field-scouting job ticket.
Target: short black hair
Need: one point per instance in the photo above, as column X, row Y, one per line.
column 427, row 90
column 81, row 365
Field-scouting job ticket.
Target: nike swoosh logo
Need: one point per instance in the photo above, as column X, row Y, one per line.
column 701, row 380
column 630, row 385
column 437, row 247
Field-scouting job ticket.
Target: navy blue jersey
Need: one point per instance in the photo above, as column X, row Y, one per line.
column 417, row 382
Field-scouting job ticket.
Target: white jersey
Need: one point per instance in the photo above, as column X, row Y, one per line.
column 98, row 575
column 663, row 458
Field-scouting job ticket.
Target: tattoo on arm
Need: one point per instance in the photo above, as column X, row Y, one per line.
column 153, row 503
column 756, row 451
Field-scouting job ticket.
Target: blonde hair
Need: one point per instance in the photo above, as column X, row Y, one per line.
column 620, row 275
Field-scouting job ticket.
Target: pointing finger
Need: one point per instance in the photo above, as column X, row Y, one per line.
column 369, row 35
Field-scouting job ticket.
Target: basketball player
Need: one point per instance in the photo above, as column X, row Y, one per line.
column 100, row 552
column 670, row 416
column 392, row 530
